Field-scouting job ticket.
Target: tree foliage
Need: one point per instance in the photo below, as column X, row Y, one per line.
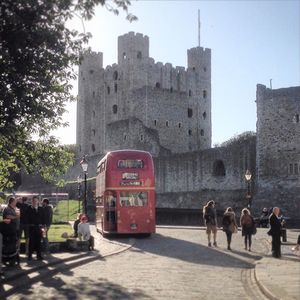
column 38, row 56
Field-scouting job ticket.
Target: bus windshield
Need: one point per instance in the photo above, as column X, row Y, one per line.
column 133, row 198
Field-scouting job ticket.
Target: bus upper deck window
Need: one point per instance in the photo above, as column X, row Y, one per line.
column 131, row 163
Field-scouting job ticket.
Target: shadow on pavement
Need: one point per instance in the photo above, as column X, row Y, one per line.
column 191, row 252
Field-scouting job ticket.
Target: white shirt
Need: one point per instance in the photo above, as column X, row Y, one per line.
column 84, row 231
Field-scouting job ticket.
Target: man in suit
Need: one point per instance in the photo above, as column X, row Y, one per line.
column 36, row 222
column 275, row 232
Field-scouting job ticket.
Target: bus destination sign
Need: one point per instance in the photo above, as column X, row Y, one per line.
column 133, row 176
column 130, row 183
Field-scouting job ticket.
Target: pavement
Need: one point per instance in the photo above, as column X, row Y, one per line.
column 276, row 278
column 280, row 278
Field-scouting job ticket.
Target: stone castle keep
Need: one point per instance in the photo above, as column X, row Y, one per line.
column 142, row 104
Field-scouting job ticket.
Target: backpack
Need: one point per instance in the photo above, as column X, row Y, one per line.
column 226, row 221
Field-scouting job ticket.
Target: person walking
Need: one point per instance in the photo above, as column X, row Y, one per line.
column 36, row 222
column 248, row 227
column 48, row 215
column 275, row 232
column 229, row 225
column 210, row 221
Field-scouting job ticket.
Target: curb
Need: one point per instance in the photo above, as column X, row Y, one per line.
column 262, row 288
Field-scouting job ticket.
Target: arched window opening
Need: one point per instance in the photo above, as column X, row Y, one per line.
column 155, row 122
column 202, row 132
column 94, row 114
column 93, row 148
column 108, row 90
column 190, row 112
column 219, row 168
column 204, row 115
column 139, row 55
column 190, row 93
column 124, row 55
column 116, row 87
column 115, row 108
column 190, row 132
column 93, row 94
column 204, row 94
column 296, row 118
column 171, row 89
column 296, row 170
column 125, row 137
column 204, row 69
column 157, row 85
column 142, row 137
column 91, row 71
column 115, row 76
column 167, row 123
column 94, row 132
column 179, row 125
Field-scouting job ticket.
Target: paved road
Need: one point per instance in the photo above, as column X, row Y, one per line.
column 172, row 264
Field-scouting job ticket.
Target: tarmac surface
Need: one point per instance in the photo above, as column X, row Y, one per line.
column 269, row 278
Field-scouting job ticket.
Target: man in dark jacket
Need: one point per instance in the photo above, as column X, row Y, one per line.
column 48, row 214
column 36, row 223
column 23, row 206
column 275, row 232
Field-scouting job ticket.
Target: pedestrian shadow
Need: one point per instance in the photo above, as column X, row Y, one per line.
column 190, row 252
column 42, row 270
column 80, row 288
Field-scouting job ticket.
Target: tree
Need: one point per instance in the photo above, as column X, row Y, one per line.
column 37, row 60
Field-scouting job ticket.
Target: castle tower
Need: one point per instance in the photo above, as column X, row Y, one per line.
column 199, row 62
column 90, row 82
column 132, row 48
column 278, row 145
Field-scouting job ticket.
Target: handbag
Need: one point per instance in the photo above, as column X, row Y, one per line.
column 254, row 230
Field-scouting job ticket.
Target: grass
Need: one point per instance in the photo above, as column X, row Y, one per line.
column 56, row 230
column 65, row 211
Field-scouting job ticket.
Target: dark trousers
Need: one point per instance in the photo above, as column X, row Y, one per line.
column 276, row 244
column 35, row 238
column 228, row 235
column 248, row 238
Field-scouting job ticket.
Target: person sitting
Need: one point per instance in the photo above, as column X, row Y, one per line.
column 84, row 232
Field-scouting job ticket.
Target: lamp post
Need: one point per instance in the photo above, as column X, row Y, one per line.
column 79, row 191
column 248, row 176
column 84, row 165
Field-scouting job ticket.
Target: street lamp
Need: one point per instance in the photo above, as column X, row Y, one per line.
column 248, row 176
column 84, row 166
column 79, row 191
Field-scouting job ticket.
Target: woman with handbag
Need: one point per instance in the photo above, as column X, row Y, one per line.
column 248, row 227
column 229, row 225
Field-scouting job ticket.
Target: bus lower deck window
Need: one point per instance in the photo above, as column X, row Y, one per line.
column 133, row 198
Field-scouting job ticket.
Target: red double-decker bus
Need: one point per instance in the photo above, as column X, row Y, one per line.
column 125, row 193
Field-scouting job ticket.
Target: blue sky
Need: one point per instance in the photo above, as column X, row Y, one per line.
column 251, row 41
